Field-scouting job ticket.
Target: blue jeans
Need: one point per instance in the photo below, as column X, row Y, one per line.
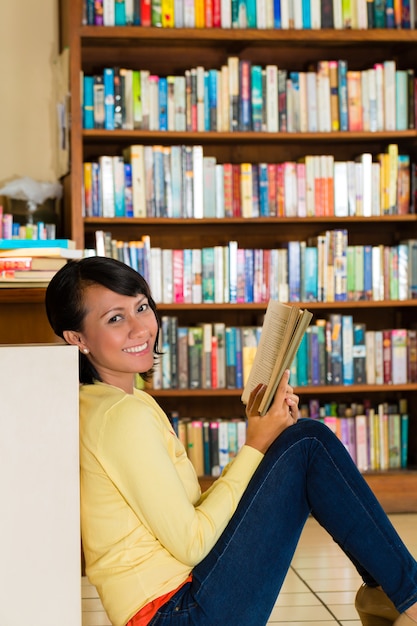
column 306, row 471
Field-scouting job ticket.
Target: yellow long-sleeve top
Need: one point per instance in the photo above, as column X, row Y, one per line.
column 145, row 523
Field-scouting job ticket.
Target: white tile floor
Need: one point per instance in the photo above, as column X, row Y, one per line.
column 319, row 589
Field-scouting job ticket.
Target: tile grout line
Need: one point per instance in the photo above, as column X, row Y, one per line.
column 315, row 594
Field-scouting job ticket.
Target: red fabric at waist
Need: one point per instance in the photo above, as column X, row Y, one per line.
column 146, row 613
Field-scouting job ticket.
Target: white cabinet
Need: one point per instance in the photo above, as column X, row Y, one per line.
column 39, row 486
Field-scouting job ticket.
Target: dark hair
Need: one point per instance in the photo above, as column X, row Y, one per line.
column 65, row 304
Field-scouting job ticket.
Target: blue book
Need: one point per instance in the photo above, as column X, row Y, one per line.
column 277, row 13
column 347, row 349
column 119, row 13
column 302, row 363
column 90, row 12
column 389, row 14
column 230, row 340
column 136, row 13
column 88, row 102
column 232, row 436
column 206, row 448
column 207, row 267
column 108, row 77
column 245, row 115
column 343, row 99
column 174, row 418
column 379, row 13
column 141, row 260
column 128, row 190
column 367, row 271
column 314, row 359
column 119, row 186
column 195, row 350
column 96, row 190
column 321, row 336
column 256, row 97
column 163, row 103
column 306, row 13
column 235, row 13
column 212, row 98
column 251, row 13
column 359, row 353
column 176, row 181
column 159, row 181
column 206, row 101
column 263, row 190
column 405, row 15
column 239, row 358
column 294, row 271
column 336, row 349
column 133, row 255
column 310, row 275
column 249, row 274
column 11, row 244
column 188, row 274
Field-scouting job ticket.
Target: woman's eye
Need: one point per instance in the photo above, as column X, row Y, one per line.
column 143, row 307
column 114, row 319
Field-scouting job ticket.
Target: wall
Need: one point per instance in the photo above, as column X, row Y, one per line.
column 28, row 49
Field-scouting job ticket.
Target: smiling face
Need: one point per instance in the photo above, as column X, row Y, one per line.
column 118, row 333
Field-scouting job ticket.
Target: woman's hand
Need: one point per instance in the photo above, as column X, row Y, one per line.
column 283, row 412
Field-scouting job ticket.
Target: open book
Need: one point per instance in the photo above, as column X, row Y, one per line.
column 282, row 331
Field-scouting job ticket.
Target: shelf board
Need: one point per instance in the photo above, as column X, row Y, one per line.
column 34, row 295
column 22, row 295
column 188, row 137
column 309, row 390
column 261, row 306
column 123, row 36
column 396, row 490
column 254, row 221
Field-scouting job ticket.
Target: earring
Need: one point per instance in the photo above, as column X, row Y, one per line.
column 86, row 350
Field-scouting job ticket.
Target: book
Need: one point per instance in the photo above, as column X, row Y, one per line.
column 282, row 331
column 134, row 155
column 359, row 353
column 40, row 247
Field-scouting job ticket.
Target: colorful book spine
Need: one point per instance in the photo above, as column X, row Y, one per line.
column 88, row 102
column 108, row 78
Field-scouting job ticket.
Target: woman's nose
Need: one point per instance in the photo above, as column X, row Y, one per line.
column 137, row 328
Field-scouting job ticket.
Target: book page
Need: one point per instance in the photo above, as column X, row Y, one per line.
column 282, row 332
column 284, row 360
column 273, row 334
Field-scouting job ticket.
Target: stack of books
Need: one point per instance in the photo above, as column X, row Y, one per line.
column 33, row 262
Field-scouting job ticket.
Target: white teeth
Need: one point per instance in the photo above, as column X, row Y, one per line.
column 136, row 349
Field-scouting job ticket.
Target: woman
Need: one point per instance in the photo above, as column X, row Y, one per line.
column 159, row 551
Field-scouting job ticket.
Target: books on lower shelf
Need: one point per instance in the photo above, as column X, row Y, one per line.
column 219, row 356
column 376, row 436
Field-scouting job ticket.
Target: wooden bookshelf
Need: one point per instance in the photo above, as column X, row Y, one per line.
column 172, row 51
column 23, row 318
